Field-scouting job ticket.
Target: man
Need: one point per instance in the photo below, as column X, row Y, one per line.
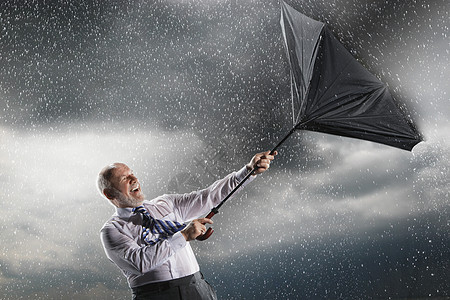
column 149, row 240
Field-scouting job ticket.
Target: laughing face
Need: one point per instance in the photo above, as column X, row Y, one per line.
column 128, row 187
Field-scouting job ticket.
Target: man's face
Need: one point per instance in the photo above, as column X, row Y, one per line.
column 128, row 185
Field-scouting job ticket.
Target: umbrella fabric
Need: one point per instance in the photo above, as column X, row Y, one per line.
column 333, row 93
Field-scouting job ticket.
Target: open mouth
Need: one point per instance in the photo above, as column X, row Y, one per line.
column 135, row 189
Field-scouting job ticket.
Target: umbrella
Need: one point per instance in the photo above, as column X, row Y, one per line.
column 333, row 93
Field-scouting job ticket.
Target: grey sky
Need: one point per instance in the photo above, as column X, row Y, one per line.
column 157, row 84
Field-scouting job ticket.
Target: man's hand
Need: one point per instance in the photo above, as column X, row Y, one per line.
column 195, row 228
column 261, row 162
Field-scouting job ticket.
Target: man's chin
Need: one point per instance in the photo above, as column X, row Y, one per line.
column 140, row 198
column 136, row 202
column 131, row 201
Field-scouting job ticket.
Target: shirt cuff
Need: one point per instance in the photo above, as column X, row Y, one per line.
column 240, row 175
column 177, row 241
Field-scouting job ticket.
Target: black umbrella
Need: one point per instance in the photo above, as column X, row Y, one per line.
column 333, row 93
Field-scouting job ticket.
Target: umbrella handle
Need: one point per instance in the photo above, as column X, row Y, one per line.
column 209, row 231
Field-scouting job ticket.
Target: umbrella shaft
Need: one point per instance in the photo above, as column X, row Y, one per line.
column 216, row 209
column 234, row 190
column 282, row 141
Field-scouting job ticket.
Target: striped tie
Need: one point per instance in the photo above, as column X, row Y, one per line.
column 159, row 229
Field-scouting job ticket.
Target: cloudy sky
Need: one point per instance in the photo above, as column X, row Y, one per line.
column 186, row 92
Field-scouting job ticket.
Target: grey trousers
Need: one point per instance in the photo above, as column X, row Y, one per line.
column 192, row 287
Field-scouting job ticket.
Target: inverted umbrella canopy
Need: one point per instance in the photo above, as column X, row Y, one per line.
column 333, row 93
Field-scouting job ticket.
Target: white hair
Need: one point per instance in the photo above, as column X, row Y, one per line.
column 104, row 179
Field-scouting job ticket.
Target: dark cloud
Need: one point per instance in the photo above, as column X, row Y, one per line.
column 403, row 259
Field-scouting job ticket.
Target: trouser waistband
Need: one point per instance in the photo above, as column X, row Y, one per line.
column 165, row 285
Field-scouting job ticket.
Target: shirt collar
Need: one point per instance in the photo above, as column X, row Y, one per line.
column 124, row 212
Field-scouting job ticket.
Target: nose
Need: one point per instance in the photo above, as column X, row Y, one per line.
column 132, row 178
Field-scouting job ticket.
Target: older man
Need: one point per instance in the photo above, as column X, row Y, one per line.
column 149, row 240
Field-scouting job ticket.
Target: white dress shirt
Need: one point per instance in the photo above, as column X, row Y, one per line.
column 171, row 258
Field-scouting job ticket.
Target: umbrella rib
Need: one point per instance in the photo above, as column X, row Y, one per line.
column 292, row 75
column 310, row 66
column 292, row 98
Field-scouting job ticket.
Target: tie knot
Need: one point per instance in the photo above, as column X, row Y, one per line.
column 140, row 209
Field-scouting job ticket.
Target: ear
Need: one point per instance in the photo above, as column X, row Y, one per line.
column 109, row 194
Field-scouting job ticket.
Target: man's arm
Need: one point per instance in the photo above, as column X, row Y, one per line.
column 136, row 259
column 192, row 205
